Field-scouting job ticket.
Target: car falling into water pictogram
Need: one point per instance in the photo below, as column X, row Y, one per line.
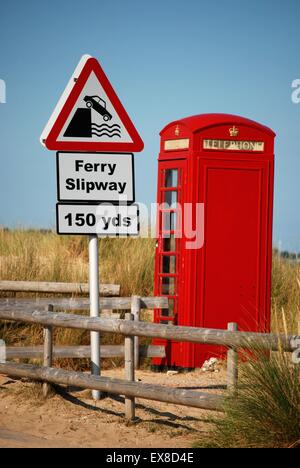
column 99, row 105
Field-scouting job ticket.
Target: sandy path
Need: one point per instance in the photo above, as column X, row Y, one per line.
column 73, row 420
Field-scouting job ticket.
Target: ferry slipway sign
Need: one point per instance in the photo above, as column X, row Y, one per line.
column 89, row 115
column 89, row 127
column 95, row 177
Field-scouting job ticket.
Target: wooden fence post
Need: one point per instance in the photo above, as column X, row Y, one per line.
column 48, row 352
column 232, row 363
column 136, row 311
column 129, row 371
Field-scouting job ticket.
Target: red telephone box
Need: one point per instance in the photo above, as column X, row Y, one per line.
column 227, row 163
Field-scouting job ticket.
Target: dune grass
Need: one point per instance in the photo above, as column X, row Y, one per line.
column 266, row 411
column 285, row 296
column 44, row 256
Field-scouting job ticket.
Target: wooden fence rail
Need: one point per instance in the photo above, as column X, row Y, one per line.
column 114, row 303
column 57, row 288
column 80, row 352
column 115, row 386
column 230, row 339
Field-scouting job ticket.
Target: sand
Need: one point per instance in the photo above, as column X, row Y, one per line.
column 72, row 419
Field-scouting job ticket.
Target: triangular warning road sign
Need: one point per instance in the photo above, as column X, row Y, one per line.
column 89, row 115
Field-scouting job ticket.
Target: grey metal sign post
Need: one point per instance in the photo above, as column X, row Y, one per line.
column 94, row 307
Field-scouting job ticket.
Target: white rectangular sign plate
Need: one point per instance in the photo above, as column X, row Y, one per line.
column 95, row 177
column 182, row 143
column 103, row 219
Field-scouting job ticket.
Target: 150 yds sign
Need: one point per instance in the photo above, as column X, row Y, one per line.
column 103, row 220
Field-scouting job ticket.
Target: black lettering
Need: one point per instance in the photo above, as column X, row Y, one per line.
column 89, row 167
column 126, row 222
column 106, row 223
column 90, row 186
column 91, row 219
column 122, row 187
column 112, row 186
column 111, row 168
column 116, row 221
column 78, row 165
column 101, row 185
column 70, row 184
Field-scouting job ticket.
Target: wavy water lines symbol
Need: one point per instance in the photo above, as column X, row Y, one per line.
column 104, row 129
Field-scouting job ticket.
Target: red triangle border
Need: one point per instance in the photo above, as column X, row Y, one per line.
column 51, row 143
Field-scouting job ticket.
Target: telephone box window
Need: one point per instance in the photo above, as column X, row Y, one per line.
column 166, row 313
column 173, row 220
column 171, row 197
column 169, row 243
column 171, row 178
column 168, row 285
column 169, row 221
column 171, row 306
column 169, row 264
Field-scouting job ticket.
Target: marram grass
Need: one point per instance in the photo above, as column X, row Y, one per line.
column 266, row 411
column 31, row 255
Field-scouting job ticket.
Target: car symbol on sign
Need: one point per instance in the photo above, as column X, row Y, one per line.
column 99, row 105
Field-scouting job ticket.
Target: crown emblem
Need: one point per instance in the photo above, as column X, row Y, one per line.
column 177, row 130
column 233, row 131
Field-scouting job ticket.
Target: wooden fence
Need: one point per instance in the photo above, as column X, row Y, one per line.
column 11, row 310
column 107, row 304
column 129, row 327
column 56, row 288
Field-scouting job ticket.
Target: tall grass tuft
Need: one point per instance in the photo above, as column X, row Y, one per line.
column 285, row 295
column 266, row 411
column 31, row 255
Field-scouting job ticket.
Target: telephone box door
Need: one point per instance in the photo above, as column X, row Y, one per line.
column 232, row 270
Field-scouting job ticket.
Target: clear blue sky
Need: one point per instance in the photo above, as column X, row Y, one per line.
column 166, row 59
